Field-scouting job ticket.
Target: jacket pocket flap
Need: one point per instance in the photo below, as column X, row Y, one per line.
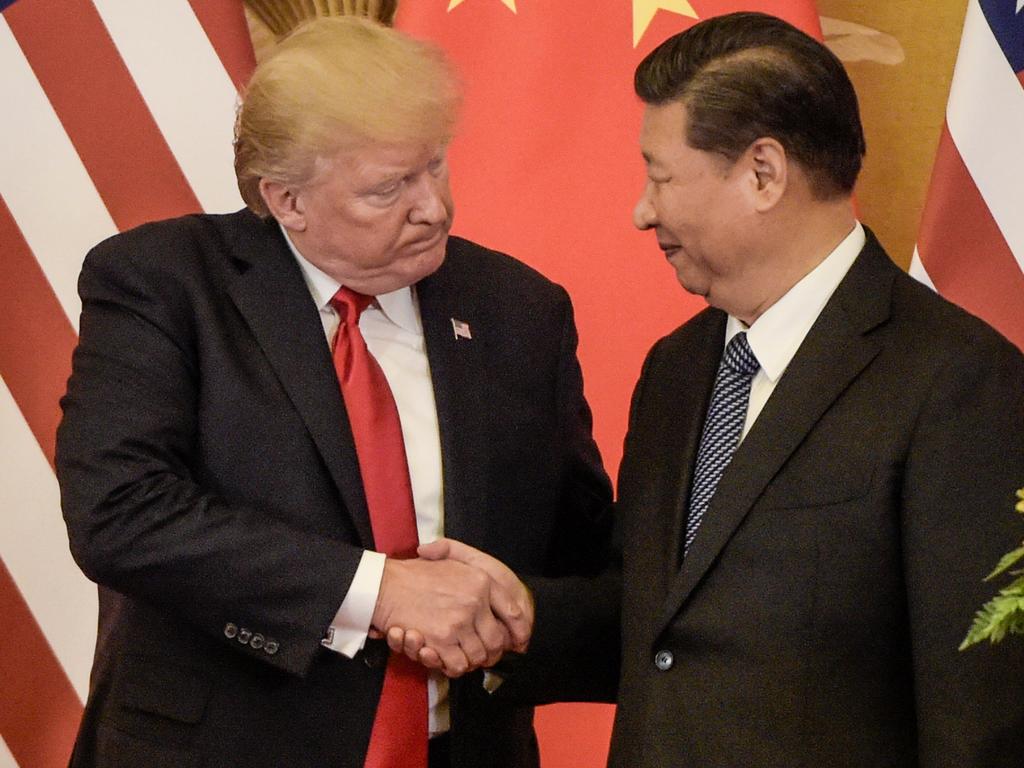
column 176, row 693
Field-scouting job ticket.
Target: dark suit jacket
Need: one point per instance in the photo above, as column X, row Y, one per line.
column 210, row 486
column 816, row 619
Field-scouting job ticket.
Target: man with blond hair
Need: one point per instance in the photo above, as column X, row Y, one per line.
column 270, row 409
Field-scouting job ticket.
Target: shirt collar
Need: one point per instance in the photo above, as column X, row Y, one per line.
column 400, row 306
column 776, row 335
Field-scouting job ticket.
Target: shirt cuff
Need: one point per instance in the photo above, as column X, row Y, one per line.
column 492, row 681
column 347, row 633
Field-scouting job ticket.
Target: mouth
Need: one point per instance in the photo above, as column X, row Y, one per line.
column 669, row 249
column 426, row 243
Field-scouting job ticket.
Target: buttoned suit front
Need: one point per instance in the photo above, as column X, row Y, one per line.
column 211, row 487
column 816, row 617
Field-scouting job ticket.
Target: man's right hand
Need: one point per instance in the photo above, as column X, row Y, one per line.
column 511, row 603
column 448, row 604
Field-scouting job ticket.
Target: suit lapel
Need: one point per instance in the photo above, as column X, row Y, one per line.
column 458, row 372
column 680, row 421
column 273, row 298
column 836, row 350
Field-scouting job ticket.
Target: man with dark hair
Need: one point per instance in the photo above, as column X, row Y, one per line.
column 820, row 466
column 739, row 83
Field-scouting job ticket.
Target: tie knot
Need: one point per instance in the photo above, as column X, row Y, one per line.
column 349, row 304
column 739, row 357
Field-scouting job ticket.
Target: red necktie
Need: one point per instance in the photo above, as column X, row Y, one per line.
column 399, row 737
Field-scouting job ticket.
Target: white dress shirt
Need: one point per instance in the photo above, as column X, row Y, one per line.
column 777, row 334
column 393, row 331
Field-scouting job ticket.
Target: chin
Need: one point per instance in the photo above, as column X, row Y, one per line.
column 433, row 259
column 421, row 266
column 696, row 287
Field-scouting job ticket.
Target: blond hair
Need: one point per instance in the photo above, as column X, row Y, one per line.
column 337, row 82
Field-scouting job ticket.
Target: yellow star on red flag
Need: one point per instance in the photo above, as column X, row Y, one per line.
column 510, row 4
column 644, row 10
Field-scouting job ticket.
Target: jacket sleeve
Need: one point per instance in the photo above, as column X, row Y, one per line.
column 574, row 653
column 141, row 518
column 965, row 460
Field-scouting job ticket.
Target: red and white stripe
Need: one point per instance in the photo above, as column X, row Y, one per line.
column 116, row 112
column 971, row 243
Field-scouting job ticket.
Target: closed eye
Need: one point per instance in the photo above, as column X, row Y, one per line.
column 436, row 166
column 387, row 190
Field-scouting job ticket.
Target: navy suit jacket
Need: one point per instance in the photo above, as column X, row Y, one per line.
column 210, row 487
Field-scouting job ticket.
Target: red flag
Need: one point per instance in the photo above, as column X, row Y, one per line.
column 117, row 113
column 971, row 243
column 546, row 166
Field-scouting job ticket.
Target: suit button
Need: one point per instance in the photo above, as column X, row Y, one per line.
column 230, row 631
column 244, row 635
column 270, row 647
column 664, row 660
column 257, row 641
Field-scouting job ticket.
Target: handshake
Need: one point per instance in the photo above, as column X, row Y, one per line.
column 454, row 608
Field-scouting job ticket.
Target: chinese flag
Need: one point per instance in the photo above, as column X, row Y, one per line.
column 546, row 167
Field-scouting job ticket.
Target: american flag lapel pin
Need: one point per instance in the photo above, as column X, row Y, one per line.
column 461, row 329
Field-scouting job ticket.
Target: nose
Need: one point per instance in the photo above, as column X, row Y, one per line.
column 644, row 215
column 430, row 201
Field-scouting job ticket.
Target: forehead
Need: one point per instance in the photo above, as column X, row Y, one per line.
column 663, row 130
column 368, row 158
column 664, row 145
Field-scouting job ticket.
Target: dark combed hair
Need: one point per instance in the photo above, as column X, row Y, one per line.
column 745, row 76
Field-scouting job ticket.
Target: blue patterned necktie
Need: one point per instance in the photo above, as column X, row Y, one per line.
column 723, row 426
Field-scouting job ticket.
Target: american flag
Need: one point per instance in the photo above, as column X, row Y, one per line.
column 116, row 112
column 971, row 243
column 461, row 329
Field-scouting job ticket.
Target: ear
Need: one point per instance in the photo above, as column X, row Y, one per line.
column 769, row 172
column 284, row 203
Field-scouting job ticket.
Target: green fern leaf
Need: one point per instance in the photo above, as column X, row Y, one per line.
column 1008, row 560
